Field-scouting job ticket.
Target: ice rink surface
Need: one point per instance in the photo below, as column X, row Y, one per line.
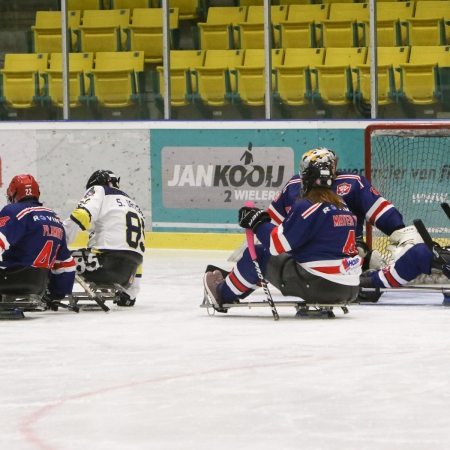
column 165, row 375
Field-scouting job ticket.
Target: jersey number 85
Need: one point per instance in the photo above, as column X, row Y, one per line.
column 135, row 231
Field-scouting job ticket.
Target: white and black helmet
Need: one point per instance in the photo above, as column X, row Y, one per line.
column 320, row 154
column 317, row 169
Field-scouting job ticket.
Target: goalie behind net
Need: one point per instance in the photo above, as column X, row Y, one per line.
column 410, row 165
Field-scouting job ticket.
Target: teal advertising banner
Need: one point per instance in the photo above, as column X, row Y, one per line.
column 201, row 177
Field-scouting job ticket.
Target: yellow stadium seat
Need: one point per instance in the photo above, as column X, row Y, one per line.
column 182, row 83
column 214, row 84
column 334, row 81
column 251, row 32
column 250, row 77
column 345, row 25
column 47, row 30
column 295, row 2
column 117, row 80
column 388, row 58
column 83, row 5
column 298, row 30
column 22, row 85
column 101, row 30
column 189, row 9
column 419, row 77
column 389, row 17
column 428, row 26
column 146, row 32
column 80, row 64
column 217, row 32
column 293, row 81
column 130, row 4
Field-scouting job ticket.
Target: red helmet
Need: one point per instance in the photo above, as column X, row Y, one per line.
column 22, row 186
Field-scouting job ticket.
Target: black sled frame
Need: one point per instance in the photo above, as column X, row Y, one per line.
column 21, row 290
column 115, row 274
column 304, row 309
column 97, row 293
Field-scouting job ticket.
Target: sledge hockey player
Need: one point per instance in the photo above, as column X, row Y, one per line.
column 410, row 259
column 116, row 234
column 363, row 200
column 312, row 254
column 32, row 235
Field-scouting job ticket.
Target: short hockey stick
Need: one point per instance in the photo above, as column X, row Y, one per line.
column 446, row 208
column 251, row 247
column 91, row 294
column 420, row 227
column 49, row 303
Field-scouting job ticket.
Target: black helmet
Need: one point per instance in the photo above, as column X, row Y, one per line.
column 103, row 178
column 317, row 174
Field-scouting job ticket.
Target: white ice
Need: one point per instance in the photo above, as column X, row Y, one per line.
column 166, row 375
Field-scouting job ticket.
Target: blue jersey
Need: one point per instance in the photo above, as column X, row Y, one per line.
column 320, row 237
column 363, row 200
column 33, row 236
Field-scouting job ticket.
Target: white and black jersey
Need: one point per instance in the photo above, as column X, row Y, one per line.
column 114, row 221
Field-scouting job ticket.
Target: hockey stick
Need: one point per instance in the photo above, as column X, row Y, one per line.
column 57, row 303
column 446, row 208
column 420, row 227
column 91, row 294
column 251, row 247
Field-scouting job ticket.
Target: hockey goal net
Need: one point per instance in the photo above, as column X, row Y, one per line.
column 409, row 164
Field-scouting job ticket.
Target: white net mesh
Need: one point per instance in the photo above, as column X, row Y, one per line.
column 411, row 168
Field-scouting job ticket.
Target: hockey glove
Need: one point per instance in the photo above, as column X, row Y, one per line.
column 362, row 247
column 252, row 218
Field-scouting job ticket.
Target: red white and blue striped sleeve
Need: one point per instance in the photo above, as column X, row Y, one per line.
column 380, row 207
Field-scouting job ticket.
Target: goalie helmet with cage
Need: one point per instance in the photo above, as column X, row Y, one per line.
column 319, row 155
column 21, row 187
column 317, row 169
column 103, row 178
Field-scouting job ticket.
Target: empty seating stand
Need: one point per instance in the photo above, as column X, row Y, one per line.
column 215, row 87
column 251, row 77
column 334, row 81
column 102, row 30
column 130, row 4
column 188, row 9
column 430, row 24
column 80, row 64
column 419, row 78
column 390, row 16
column 117, row 81
column 298, row 30
column 182, row 82
column 21, row 84
column 251, row 32
column 46, row 33
column 146, row 33
column 388, row 59
column 82, row 5
column 217, row 32
column 345, row 25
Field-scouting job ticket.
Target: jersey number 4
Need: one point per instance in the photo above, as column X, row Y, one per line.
column 350, row 245
column 135, row 231
column 44, row 259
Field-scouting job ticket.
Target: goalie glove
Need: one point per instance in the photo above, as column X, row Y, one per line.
column 372, row 258
column 400, row 241
column 252, row 218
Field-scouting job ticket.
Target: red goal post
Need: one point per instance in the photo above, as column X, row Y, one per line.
column 409, row 164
